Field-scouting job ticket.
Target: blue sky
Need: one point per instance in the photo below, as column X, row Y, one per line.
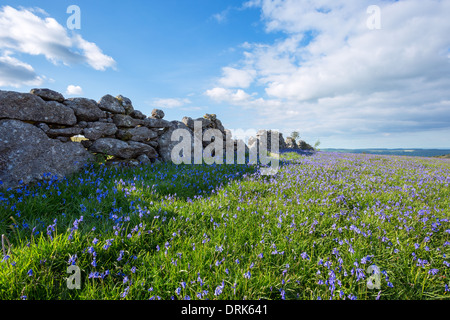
column 311, row 66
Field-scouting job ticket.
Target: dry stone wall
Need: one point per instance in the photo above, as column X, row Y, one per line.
column 38, row 129
column 43, row 134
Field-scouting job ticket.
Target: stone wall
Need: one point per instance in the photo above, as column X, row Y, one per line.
column 43, row 134
column 40, row 134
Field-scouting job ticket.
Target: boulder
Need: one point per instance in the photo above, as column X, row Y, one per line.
column 97, row 130
column 156, row 123
column 63, row 139
column 291, row 143
column 111, row 104
column 206, row 123
column 126, row 104
column 142, row 148
column 125, row 121
column 112, row 147
column 144, row 159
column 48, row 95
column 152, row 144
column 44, row 127
column 157, row 114
column 85, row 109
column 122, row 149
column 210, row 117
column 136, row 114
column 65, row 132
column 29, row 107
column 304, row 146
column 139, row 134
column 188, row 122
column 27, row 154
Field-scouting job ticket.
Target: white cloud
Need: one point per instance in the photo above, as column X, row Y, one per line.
column 14, row 73
column 170, row 103
column 330, row 74
column 222, row 16
column 236, row 78
column 24, row 31
column 74, row 90
column 227, row 95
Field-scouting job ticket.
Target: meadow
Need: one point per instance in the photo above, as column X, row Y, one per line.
column 226, row 232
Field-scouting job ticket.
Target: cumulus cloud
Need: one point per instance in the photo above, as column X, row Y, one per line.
column 237, row 78
column 15, row 73
column 33, row 32
column 333, row 75
column 74, row 90
column 170, row 103
column 228, row 95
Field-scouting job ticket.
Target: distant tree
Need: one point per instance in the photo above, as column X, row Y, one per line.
column 295, row 135
column 317, row 144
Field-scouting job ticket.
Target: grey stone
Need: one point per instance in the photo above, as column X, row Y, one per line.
column 305, row 146
column 152, row 143
column 139, row 134
column 189, row 122
column 87, row 143
column 65, row 132
column 44, row 127
column 156, row 123
column 206, row 123
column 97, row 130
column 82, row 124
column 85, row 109
column 111, row 104
column 113, row 147
column 63, row 139
column 48, row 95
column 144, row 159
column 158, row 114
column 142, row 148
column 136, row 114
column 210, row 117
column 126, row 104
column 122, row 149
column 29, row 107
column 291, row 143
column 26, row 153
column 124, row 121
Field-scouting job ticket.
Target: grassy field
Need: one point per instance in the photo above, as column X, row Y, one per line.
column 226, row 232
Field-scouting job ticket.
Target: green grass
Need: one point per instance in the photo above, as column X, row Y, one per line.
column 198, row 230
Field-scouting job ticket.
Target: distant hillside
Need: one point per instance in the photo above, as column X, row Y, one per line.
column 398, row 152
column 447, row 156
